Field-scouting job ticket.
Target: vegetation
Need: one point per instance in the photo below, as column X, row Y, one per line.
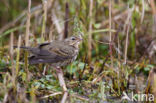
column 116, row 58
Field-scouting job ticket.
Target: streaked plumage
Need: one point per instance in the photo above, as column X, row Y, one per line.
column 56, row 53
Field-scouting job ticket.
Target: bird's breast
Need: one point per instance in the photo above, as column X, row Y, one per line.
column 73, row 56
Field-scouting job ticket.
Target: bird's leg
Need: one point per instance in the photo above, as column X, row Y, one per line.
column 44, row 70
column 61, row 78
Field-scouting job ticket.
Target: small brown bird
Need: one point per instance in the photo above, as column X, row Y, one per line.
column 56, row 53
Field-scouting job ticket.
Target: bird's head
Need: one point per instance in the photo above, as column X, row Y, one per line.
column 74, row 40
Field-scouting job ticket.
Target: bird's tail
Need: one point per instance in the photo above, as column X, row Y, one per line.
column 23, row 47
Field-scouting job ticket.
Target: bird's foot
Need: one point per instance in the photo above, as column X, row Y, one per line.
column 61, row 78
column 59, row 70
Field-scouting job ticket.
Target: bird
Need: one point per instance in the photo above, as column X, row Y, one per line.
column 57, row 53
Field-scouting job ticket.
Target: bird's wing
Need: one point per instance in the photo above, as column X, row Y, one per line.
column 51, row 55
column 58, row 48
column 43, row 44
column 46, row 59
column 41, row 49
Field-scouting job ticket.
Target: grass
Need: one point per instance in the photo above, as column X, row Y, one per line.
column 99, row 74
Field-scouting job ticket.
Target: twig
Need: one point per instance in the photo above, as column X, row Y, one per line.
column 127, row 34
column 12, row 59
column 11, row 47
column 27, row 37
column 72, row 95
column 28, row 24
column 102, row 67
column 51, row 33
column 54, row 94
column 44, row 19
column 57, row 25
column 110, row 20
column 66, row 21
column 116, row 38
column 143, row 11
column 103, row 30
column 101, row 42
column 152, row 3
column 90, row 31
column 44, row 25
column 80, row 97
column 110, row 33
column 18, row 54
column 5, row 98
column 64, row 98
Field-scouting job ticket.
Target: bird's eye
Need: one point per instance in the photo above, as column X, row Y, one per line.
column 73, row 38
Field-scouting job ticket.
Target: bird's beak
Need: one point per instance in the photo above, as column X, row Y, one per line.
column 80, row 39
